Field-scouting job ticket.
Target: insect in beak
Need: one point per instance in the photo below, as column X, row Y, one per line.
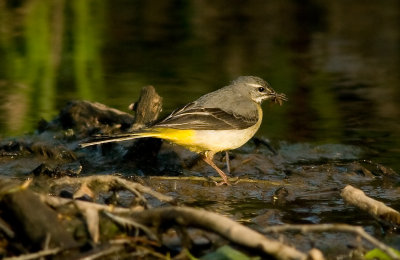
column 279, row 98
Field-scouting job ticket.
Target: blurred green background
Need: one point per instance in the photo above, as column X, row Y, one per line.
column 338, row 61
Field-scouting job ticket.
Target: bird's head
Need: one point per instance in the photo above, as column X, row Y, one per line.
column 258, row 90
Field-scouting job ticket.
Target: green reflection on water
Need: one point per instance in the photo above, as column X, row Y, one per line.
column 38, row 50
column 87, row 42
column 39, row 66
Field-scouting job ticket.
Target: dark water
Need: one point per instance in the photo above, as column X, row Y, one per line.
column 338, row 62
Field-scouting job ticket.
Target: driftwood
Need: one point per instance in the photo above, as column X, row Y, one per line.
column 190, row 217
column 147, row 108
column 356, row 230
column 148, row 221
column 376, row 209
column 231, row 230
column 182, row 216
column 93, row 184
column 171, row 216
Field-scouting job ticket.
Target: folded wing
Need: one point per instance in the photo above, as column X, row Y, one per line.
column 200, row 118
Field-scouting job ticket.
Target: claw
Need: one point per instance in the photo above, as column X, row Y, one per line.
column 226, row 182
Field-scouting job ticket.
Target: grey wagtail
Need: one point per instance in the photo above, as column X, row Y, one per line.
column 218, row 121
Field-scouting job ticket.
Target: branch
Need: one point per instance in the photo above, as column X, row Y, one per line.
column 357, row 230
column 110, row 181
column 375, row 208
column 36, row 255
column 81, row 204
column 107, row 251
column 221, row 225
column 186, row 216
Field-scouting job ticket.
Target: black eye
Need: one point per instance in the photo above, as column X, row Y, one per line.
column 261, row 89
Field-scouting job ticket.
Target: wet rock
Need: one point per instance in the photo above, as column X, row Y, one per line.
column 268, row 217
column 193, row 239
column 305, row 152
column 88, row 118
column 377, row 169
column 49, row 150
column 43, row 169
column 280, row 196
column 54, row 171
column 36, row 146
column 12, row 148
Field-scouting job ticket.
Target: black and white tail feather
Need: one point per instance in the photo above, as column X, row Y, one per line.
column 102, row 139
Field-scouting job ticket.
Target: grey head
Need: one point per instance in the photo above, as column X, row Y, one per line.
column 257, row 89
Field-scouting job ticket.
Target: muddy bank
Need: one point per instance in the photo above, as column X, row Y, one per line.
column 275, row 183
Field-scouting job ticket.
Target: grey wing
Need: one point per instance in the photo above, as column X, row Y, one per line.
column 203, row 118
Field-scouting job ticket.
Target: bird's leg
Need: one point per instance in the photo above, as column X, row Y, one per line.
column 208, row 158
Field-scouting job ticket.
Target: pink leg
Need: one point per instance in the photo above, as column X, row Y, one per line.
column 208, row 158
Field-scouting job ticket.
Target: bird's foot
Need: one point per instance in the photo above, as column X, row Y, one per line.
column 226, row 182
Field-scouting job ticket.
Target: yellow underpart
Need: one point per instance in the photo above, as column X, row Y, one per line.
column 178, row 136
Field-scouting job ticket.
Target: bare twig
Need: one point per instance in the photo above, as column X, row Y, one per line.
column 375, row 208
column 128, row 222
column 58, row 202
column 90, row 211
column 6, row 229
column 109, row 181
column 186, row 216
column 110, row 250
column 92, row 222
column 83, row 190
column 315, row 254
column 222, row 225
column 357, row 230
column 39, row 254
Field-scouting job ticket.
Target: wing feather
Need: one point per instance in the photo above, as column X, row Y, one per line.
column 207, row 118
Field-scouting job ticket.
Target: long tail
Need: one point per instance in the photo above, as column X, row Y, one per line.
column 117, row 138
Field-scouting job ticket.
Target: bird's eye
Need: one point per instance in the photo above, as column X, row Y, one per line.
column 261, row 89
